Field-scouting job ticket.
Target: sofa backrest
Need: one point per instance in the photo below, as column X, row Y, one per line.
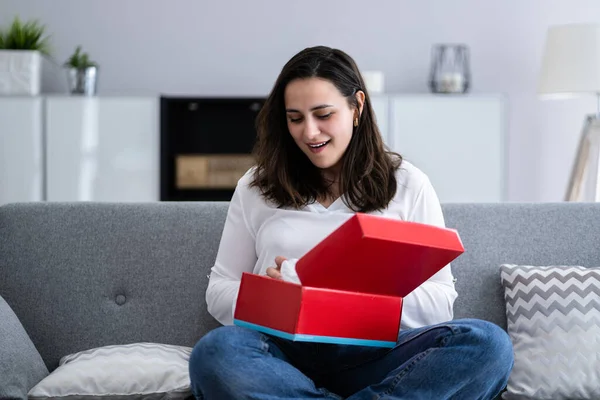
column 529, row 234
column 82, row 275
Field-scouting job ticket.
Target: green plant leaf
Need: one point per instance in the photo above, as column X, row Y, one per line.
column 79, row 60
column 25, row 36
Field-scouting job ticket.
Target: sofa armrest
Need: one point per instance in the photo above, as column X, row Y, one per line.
column 21, row 366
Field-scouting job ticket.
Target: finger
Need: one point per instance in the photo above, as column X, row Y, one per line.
column 273, row 273
column 279, row 260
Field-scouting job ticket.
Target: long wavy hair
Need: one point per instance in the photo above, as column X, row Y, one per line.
column 287, row 177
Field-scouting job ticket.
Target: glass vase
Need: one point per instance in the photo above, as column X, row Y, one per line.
column 450, row 71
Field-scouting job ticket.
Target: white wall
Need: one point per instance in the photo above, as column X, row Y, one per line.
column 229, row 47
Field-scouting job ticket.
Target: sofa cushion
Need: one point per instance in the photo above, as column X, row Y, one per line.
column 131, row 371
column 21, row 366
column 553, row 316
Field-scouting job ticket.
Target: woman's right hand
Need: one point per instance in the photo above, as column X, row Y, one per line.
column 285, row 270
column 275, row 272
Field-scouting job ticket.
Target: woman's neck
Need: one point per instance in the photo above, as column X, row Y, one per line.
column 332, row 180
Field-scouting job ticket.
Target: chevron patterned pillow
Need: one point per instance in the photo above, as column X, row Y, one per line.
column 136, row 371
column 553, row 317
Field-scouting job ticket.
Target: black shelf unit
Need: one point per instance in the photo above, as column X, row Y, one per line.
column 203, row 125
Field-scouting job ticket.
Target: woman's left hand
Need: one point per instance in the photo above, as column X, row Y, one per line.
column 275, row 272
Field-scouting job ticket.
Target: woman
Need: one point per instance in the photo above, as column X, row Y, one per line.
column 320, row 158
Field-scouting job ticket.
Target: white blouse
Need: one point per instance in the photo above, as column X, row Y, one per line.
column 256, row 231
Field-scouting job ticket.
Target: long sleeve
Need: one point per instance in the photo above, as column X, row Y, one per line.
column 236, row 255
column 433, row 301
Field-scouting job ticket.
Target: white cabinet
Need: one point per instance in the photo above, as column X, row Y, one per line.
column 21, row 149
column 67, row 148
column 458, row 141
column 103, row 149
column 381, row 105
column 71, row 148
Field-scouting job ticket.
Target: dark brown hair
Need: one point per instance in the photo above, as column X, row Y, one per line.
column 287, row 177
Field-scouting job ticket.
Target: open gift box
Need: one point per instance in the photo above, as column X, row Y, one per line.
column 353, row 283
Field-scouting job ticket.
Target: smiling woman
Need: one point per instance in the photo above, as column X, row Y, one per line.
column 323, row 131
column 320, row 160
column 318, row 138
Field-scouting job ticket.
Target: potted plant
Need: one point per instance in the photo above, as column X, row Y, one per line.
column 82, row 73
column 22, row 47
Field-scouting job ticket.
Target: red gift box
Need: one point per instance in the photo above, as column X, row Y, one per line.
column 353, row 283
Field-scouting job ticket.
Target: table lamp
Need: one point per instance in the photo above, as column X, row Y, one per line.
column 571, row 67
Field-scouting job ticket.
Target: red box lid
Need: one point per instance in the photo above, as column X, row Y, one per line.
column 374, row 254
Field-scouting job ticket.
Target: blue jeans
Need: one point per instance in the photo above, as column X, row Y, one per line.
column 461, row 359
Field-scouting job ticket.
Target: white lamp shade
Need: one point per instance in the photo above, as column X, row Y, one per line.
column 571, row 60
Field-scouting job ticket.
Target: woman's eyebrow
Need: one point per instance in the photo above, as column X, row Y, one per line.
column 291, row 110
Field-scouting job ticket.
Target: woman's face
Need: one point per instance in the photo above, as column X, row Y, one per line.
column 320, row 120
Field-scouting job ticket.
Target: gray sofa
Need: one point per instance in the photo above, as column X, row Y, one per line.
column 83, row 275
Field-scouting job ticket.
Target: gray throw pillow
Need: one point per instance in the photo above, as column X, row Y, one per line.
column 553, row 318
column 21, row 366
column 136, row 371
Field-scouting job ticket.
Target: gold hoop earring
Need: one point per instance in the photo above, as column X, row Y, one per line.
column 355, row 122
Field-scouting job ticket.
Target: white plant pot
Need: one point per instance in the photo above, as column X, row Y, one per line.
column 20, row 72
